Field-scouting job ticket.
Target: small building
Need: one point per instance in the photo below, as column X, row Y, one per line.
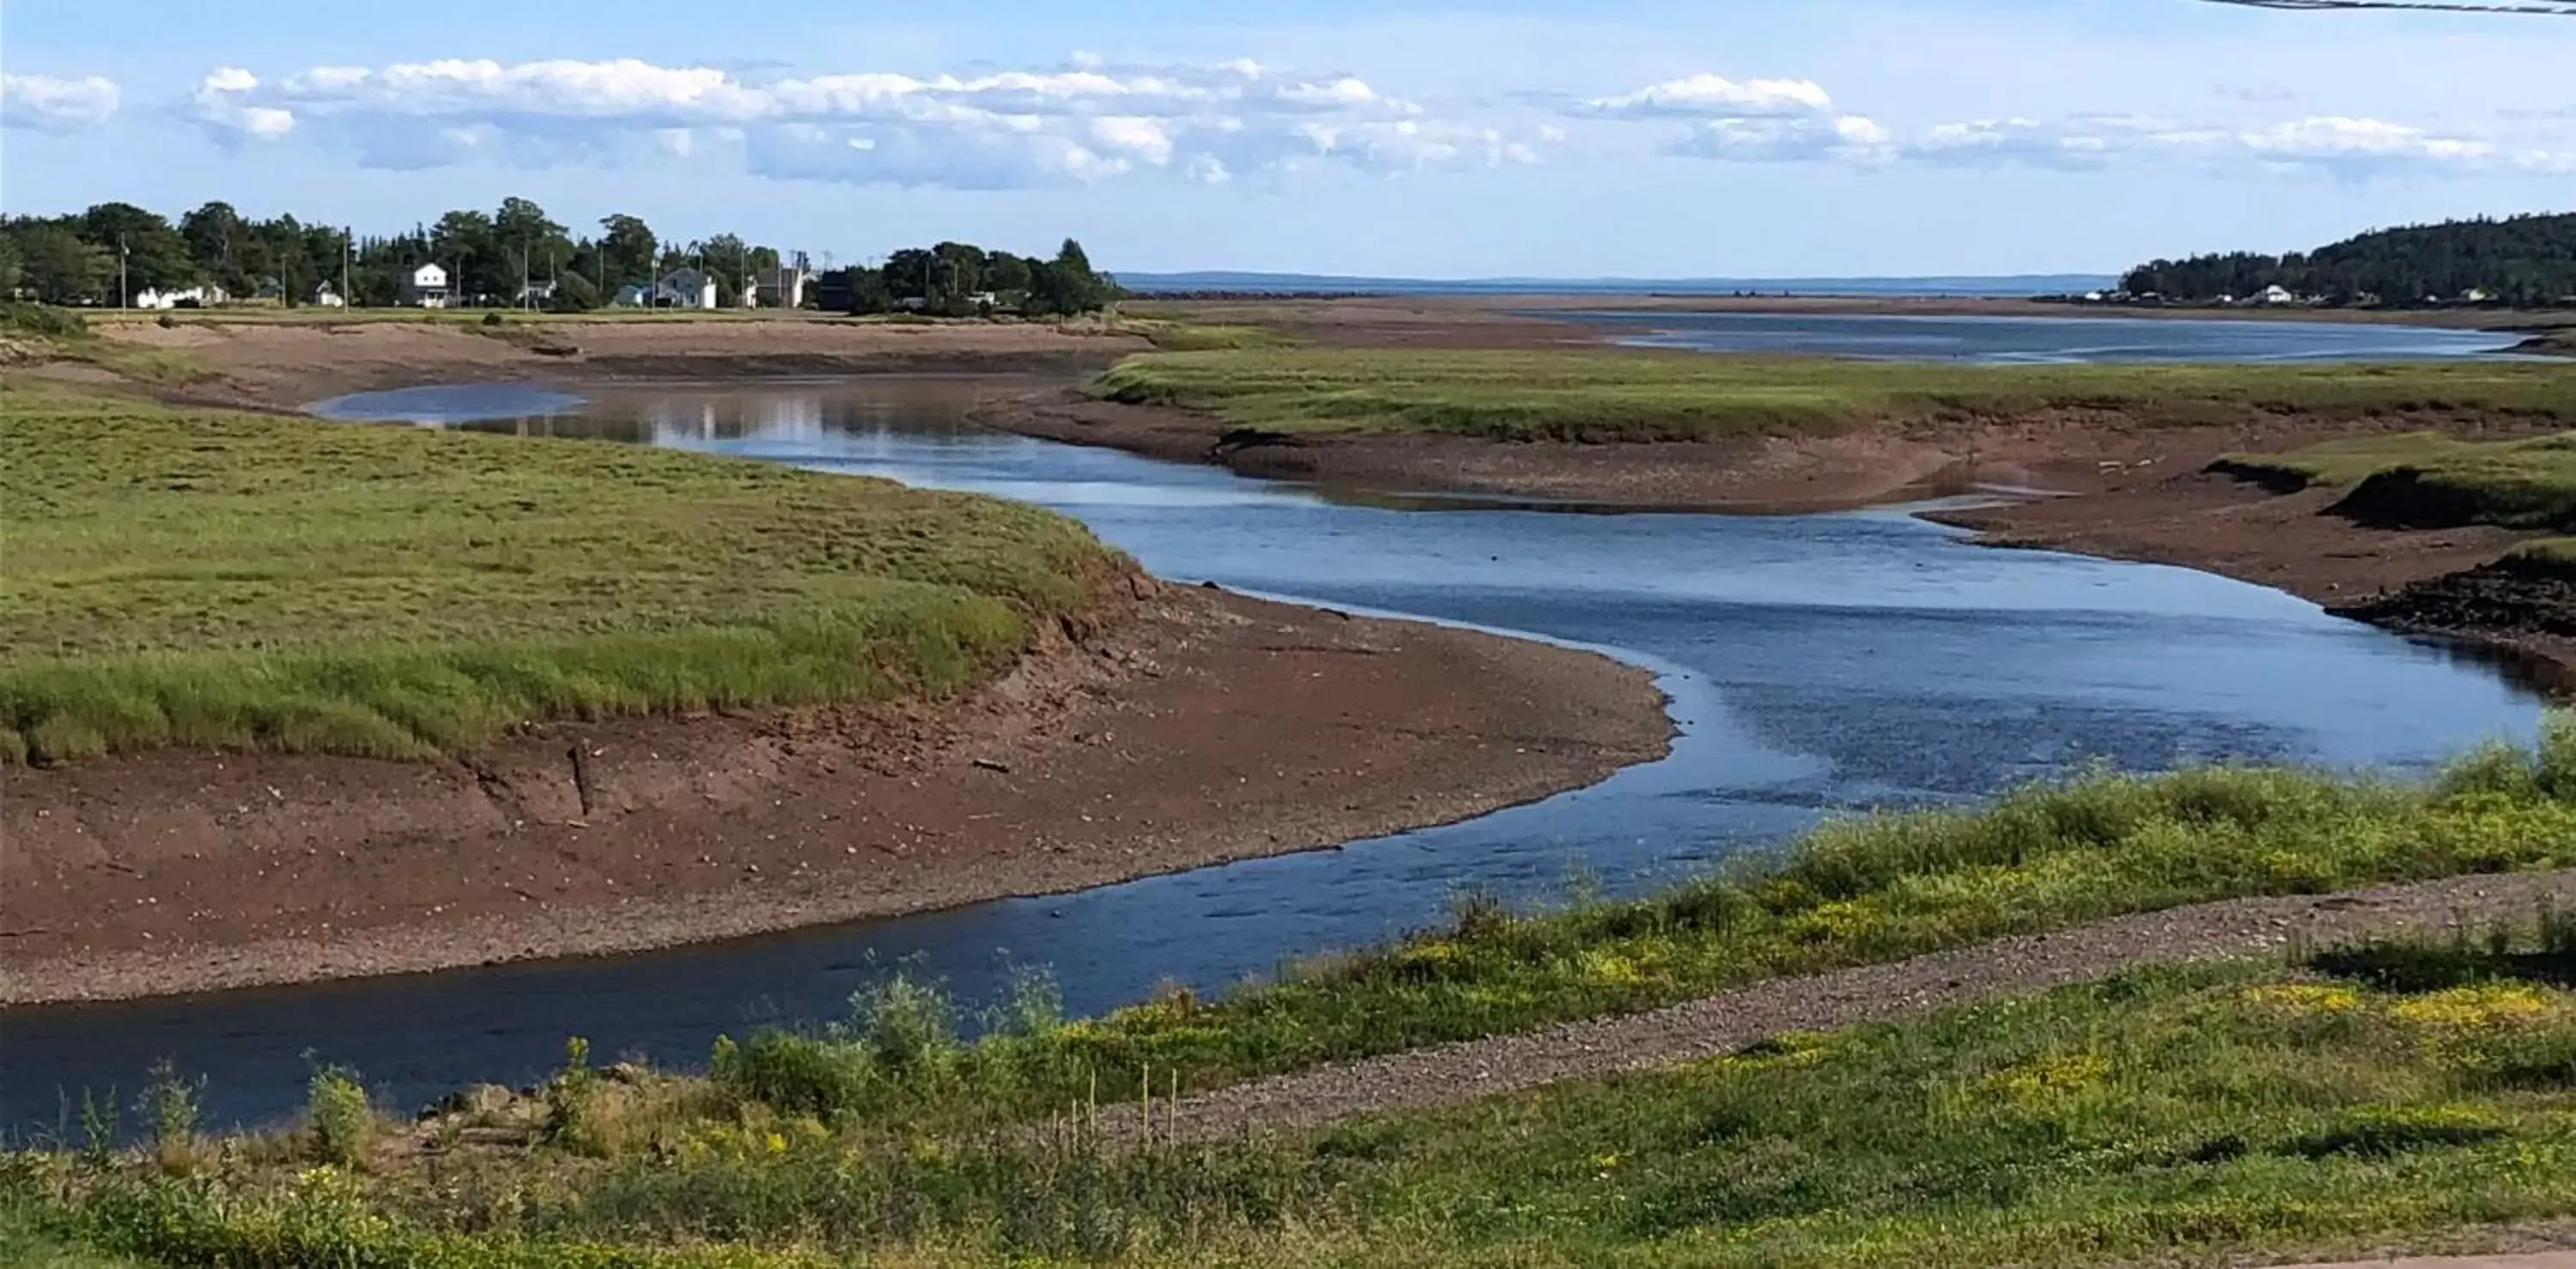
column 325, row 296
column 180, row 297
column 685, row 288
column 781, row 287
column 539, row 294
column 835, row 291
column 423, row 287
column 2276, row 294
column 632, row 295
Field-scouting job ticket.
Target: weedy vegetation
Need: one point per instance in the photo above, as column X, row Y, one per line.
column 2397, row 1092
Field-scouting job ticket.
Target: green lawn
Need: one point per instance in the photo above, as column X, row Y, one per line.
column 209, row 578
column 2407, row 1093
column 1614, row 394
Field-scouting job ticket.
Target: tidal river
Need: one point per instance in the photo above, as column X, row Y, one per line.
column 1818, row 665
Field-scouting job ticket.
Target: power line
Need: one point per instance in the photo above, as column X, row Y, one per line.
column 2553, row 8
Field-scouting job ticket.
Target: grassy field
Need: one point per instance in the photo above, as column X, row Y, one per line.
column 2430, row 481
column 1610, row 394
column 2390, row 1093
column 208, row 578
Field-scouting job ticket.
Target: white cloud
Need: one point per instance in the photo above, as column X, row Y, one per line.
column 1843, row 138
column 1709, row 96
column 223, row 104
column 2340, row 145
column 1086, row 121
column 1798, row 121
column 45, row 104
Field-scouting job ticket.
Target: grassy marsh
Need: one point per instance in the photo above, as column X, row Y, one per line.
column 201, row 577
column 2429, row 481
column 1622, row 395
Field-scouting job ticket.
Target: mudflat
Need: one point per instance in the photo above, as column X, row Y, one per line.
column 1196, row 727
column 285, row 364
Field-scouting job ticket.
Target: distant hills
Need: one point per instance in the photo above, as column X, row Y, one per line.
column 2013, row 285
column 2520, row 262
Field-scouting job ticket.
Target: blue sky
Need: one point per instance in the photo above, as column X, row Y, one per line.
column 1613, row 137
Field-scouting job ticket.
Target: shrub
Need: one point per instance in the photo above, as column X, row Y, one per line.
column 42, row 319
column 569, row 1096
column 906, row 1024
column 337, row 1115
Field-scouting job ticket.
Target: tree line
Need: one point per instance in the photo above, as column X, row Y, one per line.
column 2521, row 261
column 960, row 279
column 515, row 255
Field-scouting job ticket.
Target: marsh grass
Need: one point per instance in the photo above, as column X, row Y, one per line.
column 2200, row 1112
column 245, row 581
column 1622, row 395
column 2430, row 481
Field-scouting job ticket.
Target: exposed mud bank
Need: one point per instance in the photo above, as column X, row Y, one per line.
column 1202, row 727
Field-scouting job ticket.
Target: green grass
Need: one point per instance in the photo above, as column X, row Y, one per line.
column 2401, row 1093
column 25, row 1243
column 1862, row 891
column 2429, row 481
column 208, row 578
column 1615, row 395
column 1179, row 336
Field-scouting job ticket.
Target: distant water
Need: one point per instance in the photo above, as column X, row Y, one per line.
column 2044, row 340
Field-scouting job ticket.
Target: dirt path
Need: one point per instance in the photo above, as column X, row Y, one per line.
column 1451, row 1074
column 2532, row 1260
column 1203, row 727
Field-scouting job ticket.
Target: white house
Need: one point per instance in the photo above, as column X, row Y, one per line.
column 632, row 295
column 685, row 288
column 180, row 297
column 782, row 287
column 324, row 296
column 424, row 287
column 2276, row 294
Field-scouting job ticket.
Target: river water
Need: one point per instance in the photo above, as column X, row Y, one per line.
column 1818, row 665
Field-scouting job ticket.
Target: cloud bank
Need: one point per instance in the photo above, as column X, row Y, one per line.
column 1008, row 129
column 45, row 104
column 1086, row 121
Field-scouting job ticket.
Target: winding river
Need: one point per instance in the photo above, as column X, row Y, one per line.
column 1817, row 664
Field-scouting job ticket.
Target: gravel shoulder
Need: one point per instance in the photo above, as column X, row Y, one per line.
column 1453, row 1074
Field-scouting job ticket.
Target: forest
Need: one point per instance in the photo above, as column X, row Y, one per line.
column 516, row 255
column 2517, row 262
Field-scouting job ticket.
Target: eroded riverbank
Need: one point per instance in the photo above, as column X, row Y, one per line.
column 1201, row 728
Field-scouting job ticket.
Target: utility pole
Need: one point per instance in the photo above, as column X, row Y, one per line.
column 124, row 292
column 348, row 249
